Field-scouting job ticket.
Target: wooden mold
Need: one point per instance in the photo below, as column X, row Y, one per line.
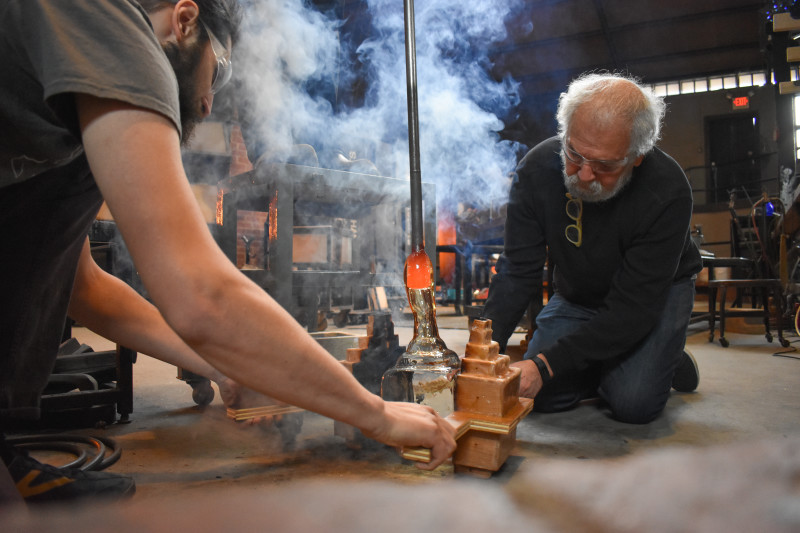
column 377, row 351
column 488, row 408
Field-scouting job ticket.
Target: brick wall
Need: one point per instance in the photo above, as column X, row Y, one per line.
column 240, row 162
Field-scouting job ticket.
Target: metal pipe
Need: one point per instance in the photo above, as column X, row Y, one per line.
column 417, row 237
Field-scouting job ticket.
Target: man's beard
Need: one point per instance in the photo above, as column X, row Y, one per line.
column 593, row 191
column 185, row 61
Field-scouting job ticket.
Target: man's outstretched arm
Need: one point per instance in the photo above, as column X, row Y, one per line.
column 112, row 309
column 228, row 320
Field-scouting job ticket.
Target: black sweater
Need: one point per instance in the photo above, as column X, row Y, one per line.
column 635, row 246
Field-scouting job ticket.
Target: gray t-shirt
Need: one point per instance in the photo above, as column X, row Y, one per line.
column 51, row 49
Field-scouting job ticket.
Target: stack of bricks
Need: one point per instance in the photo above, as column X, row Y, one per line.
column 487, row 396
column 376, row 353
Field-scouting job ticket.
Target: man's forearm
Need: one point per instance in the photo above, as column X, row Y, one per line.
column 227, row 319
column 112, row 309
column 254, row 341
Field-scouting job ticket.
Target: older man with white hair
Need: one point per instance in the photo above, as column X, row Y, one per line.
column 610, row 213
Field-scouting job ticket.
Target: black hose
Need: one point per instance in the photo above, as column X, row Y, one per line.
column 81, row 454
column 71, row 444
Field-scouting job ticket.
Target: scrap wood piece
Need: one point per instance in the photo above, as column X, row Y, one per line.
column 376, row 352
column 255, row 412
column 252, row 404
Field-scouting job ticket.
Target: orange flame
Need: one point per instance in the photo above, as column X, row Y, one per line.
column 419, row 271
column 273, row 217
column 220, row 195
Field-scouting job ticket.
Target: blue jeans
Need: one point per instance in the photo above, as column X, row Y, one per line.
column 636, row 385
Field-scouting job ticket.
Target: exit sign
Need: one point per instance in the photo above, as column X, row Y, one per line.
column 741, row 102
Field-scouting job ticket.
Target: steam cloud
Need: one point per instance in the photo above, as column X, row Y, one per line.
column 293, row 55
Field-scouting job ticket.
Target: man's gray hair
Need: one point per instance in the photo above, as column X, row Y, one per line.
column 615, row 97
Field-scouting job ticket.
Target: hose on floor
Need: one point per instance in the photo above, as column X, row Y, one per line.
column 92, row 453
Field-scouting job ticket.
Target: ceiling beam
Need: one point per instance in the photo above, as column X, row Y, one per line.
column 608, row 30
column 601, row 16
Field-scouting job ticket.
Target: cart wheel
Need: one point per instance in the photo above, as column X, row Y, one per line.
column 724, row 342
column 289, row 426
column 797, row 320
column 340, row 319
column 202, row 392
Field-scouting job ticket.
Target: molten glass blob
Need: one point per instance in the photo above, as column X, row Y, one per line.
column 426, row 372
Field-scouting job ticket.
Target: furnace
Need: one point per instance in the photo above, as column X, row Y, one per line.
column 319, row 239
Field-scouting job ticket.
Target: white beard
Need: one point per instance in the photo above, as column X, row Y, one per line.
column 593, row 191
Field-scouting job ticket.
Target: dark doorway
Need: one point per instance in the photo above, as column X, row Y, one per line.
column 734, row 157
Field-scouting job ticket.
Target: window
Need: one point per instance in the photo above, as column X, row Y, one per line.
column 715, row 83
column 731, row 140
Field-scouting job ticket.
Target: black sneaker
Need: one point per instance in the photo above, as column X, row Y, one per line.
column 687, row 375
column 39, row 482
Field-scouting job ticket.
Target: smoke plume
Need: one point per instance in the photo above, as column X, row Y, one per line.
column 297, row 64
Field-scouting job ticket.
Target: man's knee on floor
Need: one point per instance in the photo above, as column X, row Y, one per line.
column 634, row 410
column 635, row 416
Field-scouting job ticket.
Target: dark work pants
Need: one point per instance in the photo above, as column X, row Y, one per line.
column 43, row 225
column 635, row 386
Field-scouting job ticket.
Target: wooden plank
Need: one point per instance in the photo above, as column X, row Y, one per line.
column 252, row 404
column 784, row 22
column 255, row 412
column 486, row 451
column 793, row 53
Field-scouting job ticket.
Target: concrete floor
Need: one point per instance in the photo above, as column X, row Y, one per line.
column 171, row 446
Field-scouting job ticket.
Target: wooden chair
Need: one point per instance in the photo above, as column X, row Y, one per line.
column 759, row 289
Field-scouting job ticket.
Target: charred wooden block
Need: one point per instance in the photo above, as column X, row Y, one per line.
column 464, row 422
column 488, row 395
column 483, row 351
column 481, row 345
column 483, row 451
column 376, row 352
column 380, row 324
column 494, row 367
column 480, row 332
column 354, row 355
column 488, row 406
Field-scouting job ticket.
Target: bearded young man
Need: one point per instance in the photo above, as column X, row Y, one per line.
column 611, row 214
column 95, row 98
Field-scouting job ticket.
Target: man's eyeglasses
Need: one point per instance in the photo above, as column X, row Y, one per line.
column 224, row 69
column 598, row 166
column 574, row 232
